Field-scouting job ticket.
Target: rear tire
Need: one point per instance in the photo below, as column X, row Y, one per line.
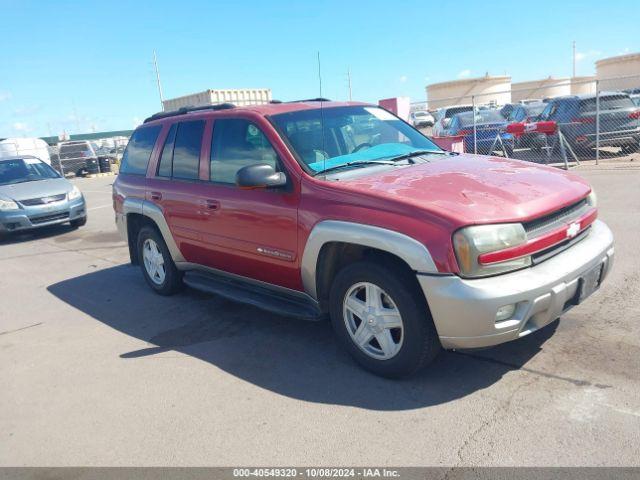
column 396, row 336
column 156, row 263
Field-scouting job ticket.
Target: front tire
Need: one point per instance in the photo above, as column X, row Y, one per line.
column 380, row 317
column 78, row 222
column 156, row 263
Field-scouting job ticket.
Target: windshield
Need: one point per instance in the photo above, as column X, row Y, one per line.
column 21, row 170
column 350, row 134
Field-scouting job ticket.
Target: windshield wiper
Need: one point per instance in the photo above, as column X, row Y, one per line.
column 417, row 153
column 355, row 163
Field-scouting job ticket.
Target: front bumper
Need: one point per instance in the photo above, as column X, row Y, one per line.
column 28, row 218
column 464, row 310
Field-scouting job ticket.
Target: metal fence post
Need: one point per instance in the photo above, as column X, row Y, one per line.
column 473, row 112
column 597, row 122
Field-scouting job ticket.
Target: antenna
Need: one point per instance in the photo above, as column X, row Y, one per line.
column 574, row 59
column 324, row 161
column 349, row 80
column 319, row 75
column 155, row 66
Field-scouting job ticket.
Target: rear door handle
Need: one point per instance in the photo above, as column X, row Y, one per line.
column 156, row 196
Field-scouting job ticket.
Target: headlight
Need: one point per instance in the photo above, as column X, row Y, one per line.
column 592, row 199
column 471, row 242
column 6, row 205
column 74, row 193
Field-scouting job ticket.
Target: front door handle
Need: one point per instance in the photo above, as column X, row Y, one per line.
column 211, row 204
column 156, row 196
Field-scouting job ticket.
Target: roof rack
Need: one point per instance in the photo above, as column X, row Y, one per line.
column 319, row 99
column 184, row 110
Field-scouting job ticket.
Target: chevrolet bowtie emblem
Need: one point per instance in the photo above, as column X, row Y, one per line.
column 573, row 230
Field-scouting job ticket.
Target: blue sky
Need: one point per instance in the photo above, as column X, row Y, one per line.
column 84, row 65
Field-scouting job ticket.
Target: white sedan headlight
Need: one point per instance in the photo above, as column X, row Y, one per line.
column 471, row 242
column 74, row 193
column 6, row 205
column 592, row 199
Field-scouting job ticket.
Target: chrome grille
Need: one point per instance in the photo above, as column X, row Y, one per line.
column 556, row 219
column 44, row 200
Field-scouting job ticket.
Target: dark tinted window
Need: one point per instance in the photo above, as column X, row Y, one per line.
column 452, row 111
column 136, row 156
column 611, row 102
column 238, row 143
column 166, row 159
column 186, row 150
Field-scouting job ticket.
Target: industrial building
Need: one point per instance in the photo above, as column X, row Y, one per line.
column 487, row 90
column 240, row 97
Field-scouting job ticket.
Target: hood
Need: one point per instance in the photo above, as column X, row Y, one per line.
column 470, row 189
column 35, row 189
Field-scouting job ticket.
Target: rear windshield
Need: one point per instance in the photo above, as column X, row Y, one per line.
column 452, row 111
column 609, row 102
column 535, row 109
column 75, row 149
column 482, row 117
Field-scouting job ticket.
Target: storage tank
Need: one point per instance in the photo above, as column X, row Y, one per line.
column 487, row 90
column 583, row 85
column 239, row 97
column 608, row 69
column 539, row 89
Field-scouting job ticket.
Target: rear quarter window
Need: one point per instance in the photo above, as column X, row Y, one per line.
column 136, row 156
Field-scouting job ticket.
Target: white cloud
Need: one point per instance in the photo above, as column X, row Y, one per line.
column 403, row 78
column 27, row 110
column 426, row 79
column 464, row 73
column 21, row 127
column 580, row 56
column 624, row 51
column 136, row 122
column 5, row 96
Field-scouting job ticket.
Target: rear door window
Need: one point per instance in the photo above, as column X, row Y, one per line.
column 166, row 159
column 136, row 156
column 186, row 150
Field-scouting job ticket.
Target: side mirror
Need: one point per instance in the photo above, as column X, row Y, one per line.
column 446, row 122
column 260, row 175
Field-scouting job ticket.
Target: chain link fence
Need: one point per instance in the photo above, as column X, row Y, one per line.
column 584, row 120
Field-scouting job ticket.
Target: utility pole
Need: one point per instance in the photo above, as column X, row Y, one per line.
column 574, row 59
column 155, row 66
column 349, row 80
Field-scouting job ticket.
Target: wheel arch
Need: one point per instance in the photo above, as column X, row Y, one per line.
column 138, row 213
column 333, row 243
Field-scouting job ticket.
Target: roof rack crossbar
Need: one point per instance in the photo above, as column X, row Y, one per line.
column 318, row 99
column 184, row 110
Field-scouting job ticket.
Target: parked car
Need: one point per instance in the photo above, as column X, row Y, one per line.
column 576, row 118
column 443, row 117
column 506, row 110
column 489, row 124
column 526, row 113
column 16, row 147
column 34, row 195
column 405, row 247
column 78, row 157
column 421, row 118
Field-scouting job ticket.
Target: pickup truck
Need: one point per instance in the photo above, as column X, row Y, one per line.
column 318, row 209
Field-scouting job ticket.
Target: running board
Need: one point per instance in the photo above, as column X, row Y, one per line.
column 259, row 296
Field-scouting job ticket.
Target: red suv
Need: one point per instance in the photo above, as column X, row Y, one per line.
column 320, row 209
